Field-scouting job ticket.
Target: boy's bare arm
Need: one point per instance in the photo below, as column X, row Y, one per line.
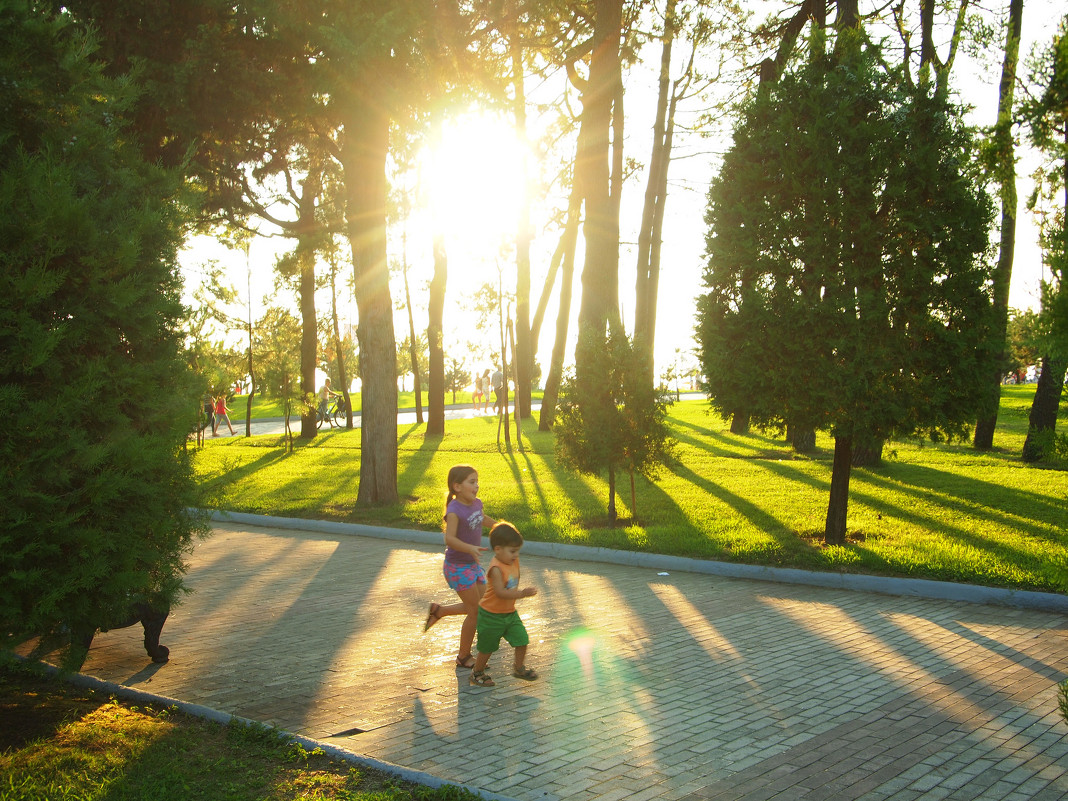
column 497, row 580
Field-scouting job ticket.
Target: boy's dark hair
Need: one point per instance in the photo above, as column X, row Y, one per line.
column 504, row 535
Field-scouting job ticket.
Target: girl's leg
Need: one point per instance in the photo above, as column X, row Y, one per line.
column 470, row 598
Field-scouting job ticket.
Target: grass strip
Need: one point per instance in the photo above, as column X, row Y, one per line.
column 63, row 743
column 943, row 512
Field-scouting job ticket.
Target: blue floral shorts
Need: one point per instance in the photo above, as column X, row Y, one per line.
column 464, row 575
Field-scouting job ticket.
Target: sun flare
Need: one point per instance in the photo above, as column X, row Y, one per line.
column 474, row 181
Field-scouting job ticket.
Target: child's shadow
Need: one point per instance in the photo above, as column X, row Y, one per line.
column 501, row 713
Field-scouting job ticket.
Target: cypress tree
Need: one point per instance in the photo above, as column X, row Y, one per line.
column 94, row 387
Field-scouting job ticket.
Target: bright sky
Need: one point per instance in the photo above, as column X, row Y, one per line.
column 472, row 187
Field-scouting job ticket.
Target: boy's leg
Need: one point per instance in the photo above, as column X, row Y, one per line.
column 520, row 658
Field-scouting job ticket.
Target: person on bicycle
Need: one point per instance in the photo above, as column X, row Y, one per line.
column 325, row 393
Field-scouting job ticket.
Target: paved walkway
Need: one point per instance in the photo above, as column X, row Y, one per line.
column 654, row 686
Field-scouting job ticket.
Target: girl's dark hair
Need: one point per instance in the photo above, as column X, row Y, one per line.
column 505, row 535
column 457, row 475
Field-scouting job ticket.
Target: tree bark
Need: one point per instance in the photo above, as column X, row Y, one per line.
column 600, row 272
column 569, row 241
column 342, row 370
column 435, row 425
column 413, row 348
column 740, row 423
column 988, row 414
column 612, row 514
column 311, row 188
column 834, row 532
column 802, row 439
column 523, row 358
column 1042, row 422
column 868, row 452
column 364, row 153
column 648, row 267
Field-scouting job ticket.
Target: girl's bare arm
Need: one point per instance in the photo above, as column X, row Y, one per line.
column 452, row 522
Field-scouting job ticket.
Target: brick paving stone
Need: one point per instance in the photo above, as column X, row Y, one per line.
column 679, row 687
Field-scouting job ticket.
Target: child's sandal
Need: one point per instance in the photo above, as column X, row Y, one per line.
column 432, row 617
column 480, row 679
column 526, row 674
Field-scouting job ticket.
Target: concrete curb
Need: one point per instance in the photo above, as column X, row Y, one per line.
column 207, row 713
column 885, row 585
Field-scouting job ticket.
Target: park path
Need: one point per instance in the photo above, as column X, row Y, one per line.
column 654, row 685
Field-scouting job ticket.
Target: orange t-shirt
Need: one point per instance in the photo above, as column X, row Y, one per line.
column 510, row 578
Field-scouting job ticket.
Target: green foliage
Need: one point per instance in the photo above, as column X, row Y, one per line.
column 457, row 377
column 616, row 424
column 1024, row 334
column 277, row 347
column 846, row 284
column 89, row 344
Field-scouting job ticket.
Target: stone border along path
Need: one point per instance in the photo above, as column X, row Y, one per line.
column 656, row 683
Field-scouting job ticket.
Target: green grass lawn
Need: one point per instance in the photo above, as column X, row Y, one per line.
column 933, row 511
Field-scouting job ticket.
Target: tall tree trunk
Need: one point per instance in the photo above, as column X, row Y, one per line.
column 740, row 423
column 413, row 346
column 502, row 409
column 1006, row 171
column 342, row 368
column 435, row 425
column 569, row 242
column 927, row 50
column 600, row 150
column 311, row 188
column 1042, row 422
column 645, row 288
column 612, row 514
column 802, row 438
column 546, row 292
column 834, row 532
column 848, row 14
column 251, row 372
column 523, row 358
column 364, row 153
column 308, row 337
column 600, row 272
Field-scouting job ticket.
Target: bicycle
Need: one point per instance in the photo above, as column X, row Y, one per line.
column 335, row 412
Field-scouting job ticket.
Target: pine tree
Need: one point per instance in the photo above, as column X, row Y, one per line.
column 94, row 386
column 847, row 288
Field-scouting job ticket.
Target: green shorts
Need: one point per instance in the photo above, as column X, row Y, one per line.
column 492, row 626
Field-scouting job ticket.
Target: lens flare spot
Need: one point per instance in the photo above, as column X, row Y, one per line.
column 583, row 644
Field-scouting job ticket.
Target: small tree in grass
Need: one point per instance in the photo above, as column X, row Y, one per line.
column 619, row 426
column 94, row 385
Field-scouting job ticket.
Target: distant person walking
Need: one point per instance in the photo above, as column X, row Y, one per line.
column 479, row 394
column 498, row 391
column 221, row 413
column 209, row 412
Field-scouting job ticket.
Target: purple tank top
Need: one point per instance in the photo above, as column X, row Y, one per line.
column 468, row 529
